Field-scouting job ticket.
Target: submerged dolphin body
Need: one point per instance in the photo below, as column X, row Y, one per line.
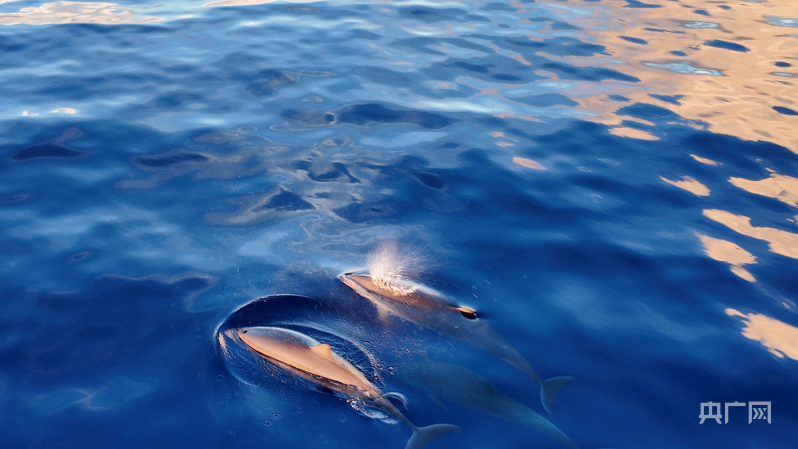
column 454, row 383
column 315, row 362
column 428, row 308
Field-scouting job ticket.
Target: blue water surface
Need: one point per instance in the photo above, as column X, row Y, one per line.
column 606, row 183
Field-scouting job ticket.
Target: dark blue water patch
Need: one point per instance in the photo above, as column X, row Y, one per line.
column 269, row 81
column 422, row 44
column 299, row 9
column 363, row 114
column 488, row 69
column 701, row 12
column 239, row 61
column 569, row 72
column 46, row 150
column 498, row 7
column 342, row 168
column 126, row 328
column 678, row 53
column 364, row 34
column 735, row 153
column 726, row 45
column 726, row 7
column 782, row 64
column 371, row 74
column 783, row 110
column 634, row 40
column 101, row 347
column 285, row 201
column 168, row 159
column 638, row 4
column 649, row 112
column 621, row 98
column 430, row 180
column 556, row 25
column 560, row 46
column 64, row 87
column 78, row 257
column 8, row 45
column 431, row 15
column 361, row 212
column 336, row 172
column 660, row 30
column 672, row 99
column 177, row 100
column 546, row 100
column 15, row 198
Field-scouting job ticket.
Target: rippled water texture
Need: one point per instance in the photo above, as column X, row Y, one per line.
column 612, row 185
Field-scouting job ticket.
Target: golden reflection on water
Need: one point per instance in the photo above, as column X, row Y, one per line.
column 781, row 187
column 733, row 92
column 726, row 251
column 780, row 242
column 704, row 160
column 689, row 184
column 780, row 338
column 528, row 163
column 633, row 133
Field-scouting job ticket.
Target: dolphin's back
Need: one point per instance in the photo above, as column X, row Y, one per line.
column 302, row 353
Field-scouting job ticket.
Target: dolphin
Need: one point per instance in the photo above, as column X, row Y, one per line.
column 426, row 307
column 315, row 362
column 454, row 383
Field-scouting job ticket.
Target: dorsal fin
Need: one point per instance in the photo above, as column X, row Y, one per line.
column 323, row 350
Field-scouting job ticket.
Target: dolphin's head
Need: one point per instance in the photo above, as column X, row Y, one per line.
column 360, row 279
column 242, row 335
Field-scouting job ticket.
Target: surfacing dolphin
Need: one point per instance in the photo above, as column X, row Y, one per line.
column 457, row 384
column 428, row 308
column 315, row 362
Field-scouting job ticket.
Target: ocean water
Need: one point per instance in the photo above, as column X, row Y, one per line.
column 611, row 185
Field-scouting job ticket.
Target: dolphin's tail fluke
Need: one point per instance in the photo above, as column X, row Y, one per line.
column 549, row 389
column 423, row 435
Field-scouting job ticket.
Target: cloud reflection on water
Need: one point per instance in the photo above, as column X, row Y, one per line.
column 74, row 12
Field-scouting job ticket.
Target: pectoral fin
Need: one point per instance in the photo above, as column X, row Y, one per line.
column 423, row 435
column 323, row 350
column 384, row 315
